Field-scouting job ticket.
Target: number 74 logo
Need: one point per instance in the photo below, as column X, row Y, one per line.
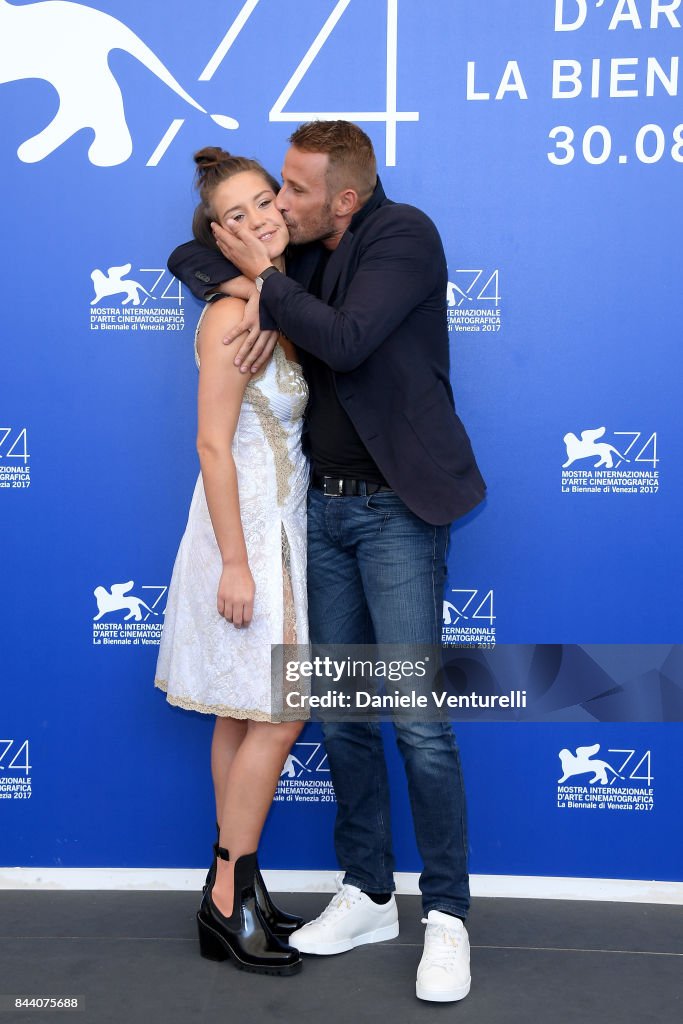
column 470, row 287
column 458, row 607
column 390, row 116
column 19, row 442
column 639, row 455
column 628, row 761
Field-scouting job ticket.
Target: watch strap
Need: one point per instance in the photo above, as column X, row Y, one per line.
column 264, row 275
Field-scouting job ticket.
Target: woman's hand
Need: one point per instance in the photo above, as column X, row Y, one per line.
column 236, row 591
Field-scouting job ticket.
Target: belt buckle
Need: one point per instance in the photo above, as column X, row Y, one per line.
column 329, row 483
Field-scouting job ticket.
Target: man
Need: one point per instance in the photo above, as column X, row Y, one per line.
column 364, row 302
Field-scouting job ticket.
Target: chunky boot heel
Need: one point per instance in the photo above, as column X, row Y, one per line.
column 244, row 936
column 210, row 946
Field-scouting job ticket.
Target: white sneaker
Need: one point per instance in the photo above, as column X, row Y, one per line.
column 444, row 972
column 350, row 919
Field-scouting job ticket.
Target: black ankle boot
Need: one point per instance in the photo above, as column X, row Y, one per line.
column 243, row 936
column 279, row 921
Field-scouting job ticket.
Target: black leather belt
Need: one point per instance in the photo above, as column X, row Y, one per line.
column 345, row 487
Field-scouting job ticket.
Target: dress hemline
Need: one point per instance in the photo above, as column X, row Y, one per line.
column 220, row 710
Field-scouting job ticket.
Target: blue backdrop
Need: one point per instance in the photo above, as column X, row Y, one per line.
column 547, row 146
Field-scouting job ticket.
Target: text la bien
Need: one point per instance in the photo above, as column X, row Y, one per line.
column 623, row 77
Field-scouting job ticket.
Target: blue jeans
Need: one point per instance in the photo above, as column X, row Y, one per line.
column 376, row 574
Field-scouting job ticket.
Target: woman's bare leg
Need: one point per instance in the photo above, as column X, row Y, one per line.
column 248, row 794
column 228, row 734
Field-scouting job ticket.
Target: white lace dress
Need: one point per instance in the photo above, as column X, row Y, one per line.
column 205, row 663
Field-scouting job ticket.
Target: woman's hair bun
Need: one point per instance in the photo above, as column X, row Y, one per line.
column 210, row 158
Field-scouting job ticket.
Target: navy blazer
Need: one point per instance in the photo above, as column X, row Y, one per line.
column 381, row 326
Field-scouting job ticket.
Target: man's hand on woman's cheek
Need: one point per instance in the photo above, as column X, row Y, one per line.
column 241, row 247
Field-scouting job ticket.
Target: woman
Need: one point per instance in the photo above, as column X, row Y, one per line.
column 239, row 581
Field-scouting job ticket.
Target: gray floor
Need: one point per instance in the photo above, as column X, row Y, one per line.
column 134, row 958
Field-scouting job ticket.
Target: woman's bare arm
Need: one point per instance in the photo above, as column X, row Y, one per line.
column 221, row 390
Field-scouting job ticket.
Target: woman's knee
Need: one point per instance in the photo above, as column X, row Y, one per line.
column 278, row 734
column 229, row 729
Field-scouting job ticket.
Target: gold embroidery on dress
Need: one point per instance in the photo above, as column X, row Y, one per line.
column 276, row 436
column 289, row 381
column 288, row 608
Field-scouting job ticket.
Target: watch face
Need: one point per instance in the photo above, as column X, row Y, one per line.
column 264, row 276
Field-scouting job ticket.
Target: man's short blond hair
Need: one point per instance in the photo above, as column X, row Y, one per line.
column 352, row 162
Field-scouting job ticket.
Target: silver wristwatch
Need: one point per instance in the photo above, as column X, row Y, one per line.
column 263, row 276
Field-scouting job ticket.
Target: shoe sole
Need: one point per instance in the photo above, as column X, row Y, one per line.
column 229, row 954
column 389, row 931
column 449, row 996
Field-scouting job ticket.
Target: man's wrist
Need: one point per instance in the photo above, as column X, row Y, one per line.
column 264, row 275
